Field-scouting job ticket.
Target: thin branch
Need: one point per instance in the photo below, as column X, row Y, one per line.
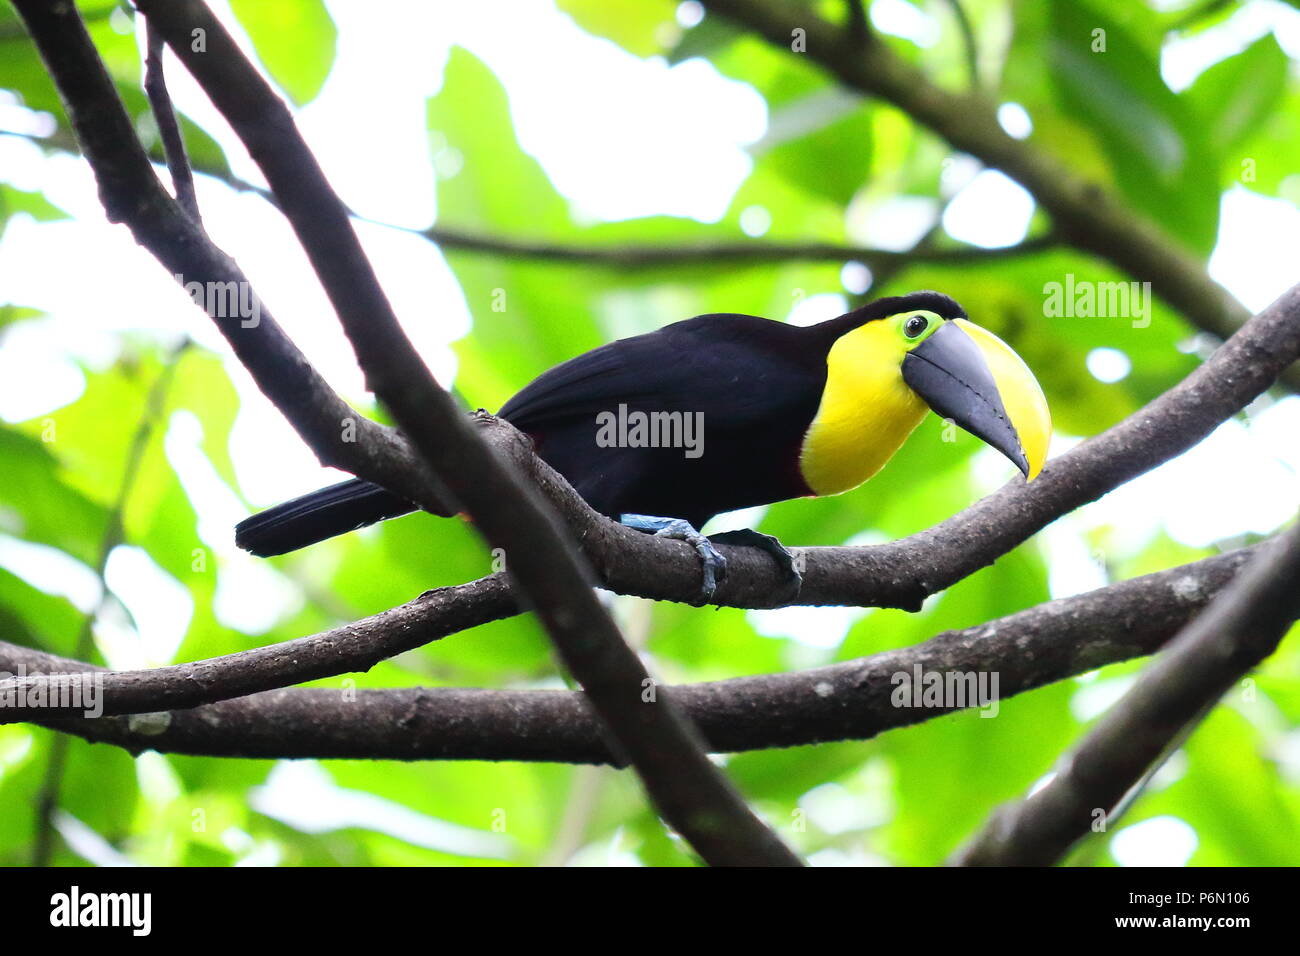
column 853, row 700
column 721, row 253
column 1239, row 629
column 349, row 648
column 859, row 29
column 585, row 789
column 169, row 131
column 17, row 31
column 1085, row 214
column 709, row 253
column 1172, row 746
column 967, row 31
column 47, row 799
column 634, row 257
column 691, row 793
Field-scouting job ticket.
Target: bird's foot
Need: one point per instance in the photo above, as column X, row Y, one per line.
column 714, row 564
column 785, row 561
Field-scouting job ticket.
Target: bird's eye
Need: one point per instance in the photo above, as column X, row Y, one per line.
column 915, row 326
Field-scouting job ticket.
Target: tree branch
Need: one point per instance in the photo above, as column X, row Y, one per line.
column 349, row 648
column 169, row 131
column 859, row 29
column 634, row 257
column 971, row 48
column 848, row 701
column 1243, row 626
column 710, row 253
column 637, row 256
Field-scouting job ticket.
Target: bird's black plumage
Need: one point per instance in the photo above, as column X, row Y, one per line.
column 754, row 383
column 315, row 517
column 746, row 380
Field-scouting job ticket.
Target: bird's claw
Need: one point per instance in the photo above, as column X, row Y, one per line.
column 785, row 561
column 714, row 564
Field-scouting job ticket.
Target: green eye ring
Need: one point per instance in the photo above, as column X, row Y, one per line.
column 913, row 328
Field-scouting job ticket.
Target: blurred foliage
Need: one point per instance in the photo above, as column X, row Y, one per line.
column 295, row 42
column 828, row 162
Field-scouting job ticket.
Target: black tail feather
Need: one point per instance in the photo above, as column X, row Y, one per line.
column 322, row 514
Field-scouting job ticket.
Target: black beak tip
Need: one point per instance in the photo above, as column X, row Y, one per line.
column 1020, row 461
column 1009, row 446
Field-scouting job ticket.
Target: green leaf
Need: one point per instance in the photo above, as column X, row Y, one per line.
column 11, row 314
column 30, row 617
column 780, row 77
column 828, row 146
column 296, row 40
column 37, row 505
column 13, row 200
column 706, row 39
column 1160, row 155
column 790, row 773
column 1232, row 794
column 1263, row 161
column 643, row 28
column 93, row 437
column 1236, row 95
column 202, row 386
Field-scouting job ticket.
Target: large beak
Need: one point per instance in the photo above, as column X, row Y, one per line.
column 968, row 374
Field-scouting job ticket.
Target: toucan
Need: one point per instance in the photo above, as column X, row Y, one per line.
column 662, row 431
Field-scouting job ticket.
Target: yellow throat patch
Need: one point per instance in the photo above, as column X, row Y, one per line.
column 866, row 412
